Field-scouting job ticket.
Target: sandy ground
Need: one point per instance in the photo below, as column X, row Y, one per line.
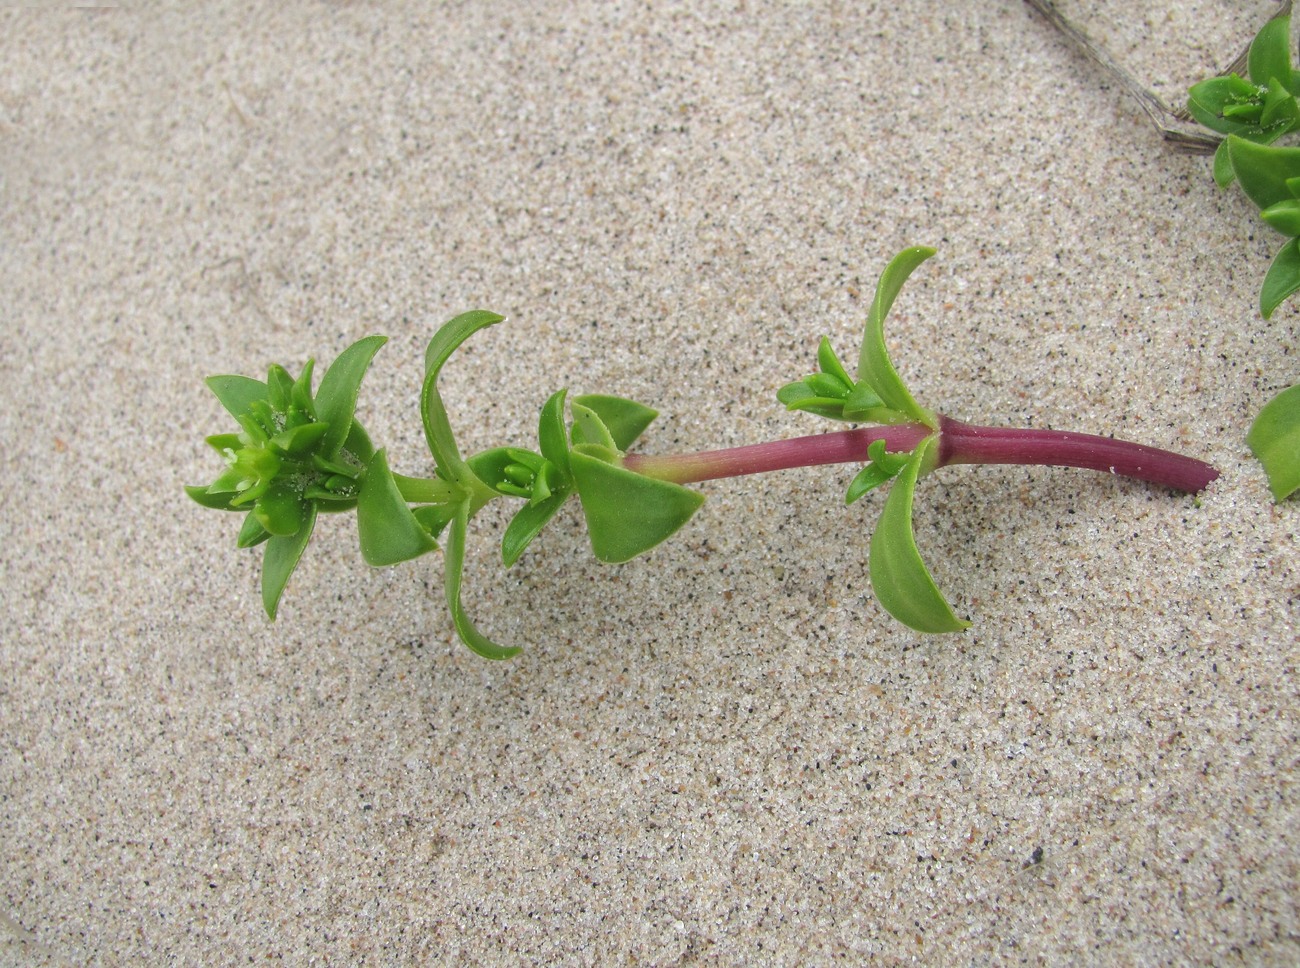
column 724, row 752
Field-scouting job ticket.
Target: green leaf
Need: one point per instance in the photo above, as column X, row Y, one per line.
column 455, row 567
column 1283, row 217
column 299, row 440
column 336, row 400
column 492, row 466
column 281, row 511
column 528, row 523
column 434, row 518
column 237, row 393
column 862, row 405
column 218, row 501
column 1211, row 102
column 1223, row 173
column 389, row 533
column 883, row 467
column 1270, row 53
column 358, row 443
column 300, row 393
column 1280, row 112
column 279, row 386
column 589, row 429
column 251, row 533
column 1282, row 280
column 800, row 396
column 899, row 577
column 625, row 420
column 1274, row 438
column 283, row 552
column 552, row 437
column 830, row 363
column 874, row 366
column 437, row 426
column 1263, row 170
column 627, row 514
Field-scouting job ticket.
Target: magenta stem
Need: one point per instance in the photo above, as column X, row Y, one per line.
column 959, row 443
column 840, row 447
column 962, row 443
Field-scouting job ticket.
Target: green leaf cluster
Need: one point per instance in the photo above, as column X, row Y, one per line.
column 1254, row 113
column 899, row 576
column 1259, row 108
column 298, row 454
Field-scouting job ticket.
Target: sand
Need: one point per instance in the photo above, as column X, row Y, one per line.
column 724, row 752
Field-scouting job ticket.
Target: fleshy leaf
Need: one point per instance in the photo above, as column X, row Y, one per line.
column 251, row 532
column 389, row 533
column 1263, row 170
column 454, row 569
column 301, row 439
column 1270, row 53
column 862, row 405
column 1274, row 438
column 434, row 518
column 829, row 362
column 552, row 437
column 437, row 426
column 527, row 524
column 336, row 400
column 1211, row 102
column 627, row 513
column 283, row 552
column 590, row 430
column 883, row 467
column 492, row 467
column 237, row 393
column 279, row 385
column 899, row 577
column 1223, row 173
column 626, row 420
column 281, row 511
column 874, row 366
column 800, row 396
column 218, row 501
column 1283, row 217
column 1282, row 280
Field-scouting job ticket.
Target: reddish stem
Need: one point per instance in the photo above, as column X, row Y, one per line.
column 959, row 443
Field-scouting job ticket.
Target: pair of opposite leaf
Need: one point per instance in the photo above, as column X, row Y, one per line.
column 1254, row 112
column 300, row 453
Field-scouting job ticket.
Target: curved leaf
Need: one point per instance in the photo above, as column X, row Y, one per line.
column 283, row 552
column 874, row 366
column 1270, row 53
column 336, row 400
column 899, row 577
column 590, row 430
column 627, row 514
column 455, row 567
column 552, row 437
column 1263, row 170
column 528, row 523
column 1282, row 280
column 882, row 467
column 386, row 529
column 1274, row 438
column 218, row 501
column 437, row 426
column 626, row 420
column 237, row 393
